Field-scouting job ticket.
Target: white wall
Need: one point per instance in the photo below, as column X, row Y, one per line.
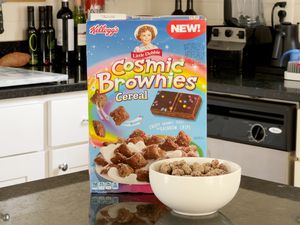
column 15, row 15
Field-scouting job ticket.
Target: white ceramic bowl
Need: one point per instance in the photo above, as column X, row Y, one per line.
column 195, row 195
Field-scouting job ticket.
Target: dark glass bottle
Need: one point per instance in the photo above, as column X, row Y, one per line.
column 80, row 32
column 65, row 34
column 32, row 36
column 51, row 42
column 178, row 8
column 42, row 37
column 190, row 8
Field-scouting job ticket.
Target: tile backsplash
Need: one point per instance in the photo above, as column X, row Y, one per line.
column 15, row 15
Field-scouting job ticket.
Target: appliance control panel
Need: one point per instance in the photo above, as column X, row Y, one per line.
column 229, row 34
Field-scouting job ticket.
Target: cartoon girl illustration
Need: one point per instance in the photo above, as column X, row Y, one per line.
column 145, row 34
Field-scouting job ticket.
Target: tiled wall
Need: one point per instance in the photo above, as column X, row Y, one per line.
column 15, row 16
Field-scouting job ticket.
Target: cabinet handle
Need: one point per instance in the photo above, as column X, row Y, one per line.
column 5, row 217
column 85, row 122
column 63, row 167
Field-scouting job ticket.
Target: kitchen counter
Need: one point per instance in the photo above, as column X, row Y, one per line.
column 76, row 82
column 262, row 85
column 66, row 200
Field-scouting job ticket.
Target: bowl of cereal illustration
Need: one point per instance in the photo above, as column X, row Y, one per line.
column 194, row 186
column 128, row 160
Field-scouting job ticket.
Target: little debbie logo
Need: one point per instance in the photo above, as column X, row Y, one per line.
column 103, row 29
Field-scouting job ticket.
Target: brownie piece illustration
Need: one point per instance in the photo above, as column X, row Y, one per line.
column 137, row 133
column 99, row 160
column 99, row 128
column 124, row 170
column 183, row 139
column 119, row 115
column 137, row 161
column 173, row 104
column 99, row 99
column 153, row 152
column 187, row 106
column 169, row 145
column 154, row 140
column 142, row 175
column 124, row 150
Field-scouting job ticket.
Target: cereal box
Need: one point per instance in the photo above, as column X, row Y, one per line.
column 147, row 97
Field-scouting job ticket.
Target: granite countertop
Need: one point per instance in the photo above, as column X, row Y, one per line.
column 260, row 85
column 66, row 200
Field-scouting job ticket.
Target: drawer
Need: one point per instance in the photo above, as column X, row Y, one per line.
column 22, row 168
column 22, row 128
column 74, row 159
column 68, row 121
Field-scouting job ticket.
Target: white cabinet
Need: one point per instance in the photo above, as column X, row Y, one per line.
column 22, row 168
column 68, row 160
column 21, row 127
column 38, row 135
column 68, row 121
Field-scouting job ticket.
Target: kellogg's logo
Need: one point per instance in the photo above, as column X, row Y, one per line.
column 103, row 29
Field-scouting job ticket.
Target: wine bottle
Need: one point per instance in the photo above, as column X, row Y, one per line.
column 42, row 37
column 178, row 8
column 190, row 8
column 51, row 42
column 32, row 36
column 80, row 32
column 65, row 34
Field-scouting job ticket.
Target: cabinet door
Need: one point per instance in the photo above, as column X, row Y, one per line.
column 68, row 160
column 22, row 168
column 68, row 121
column 21, row 128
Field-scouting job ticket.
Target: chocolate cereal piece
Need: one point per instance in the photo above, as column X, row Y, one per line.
column 137, row 133
column 119, row 115
column 169, row 145
column 124, row 150
column 137, row 161
column 142, row 175
column 134, row 140
column 118, row 158
column 153, row 152
column 154, row 139
column 99, row 160
column 183, row 139
column 99, row 128
column 99, row 99
column 124, row 170
column 173, row 104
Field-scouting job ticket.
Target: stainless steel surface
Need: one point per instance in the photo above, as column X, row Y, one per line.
column 263, row 163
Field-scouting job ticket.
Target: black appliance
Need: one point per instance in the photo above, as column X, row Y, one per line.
column 259, row 135
column 254, row 122
column 257, row 38
column 286, row 39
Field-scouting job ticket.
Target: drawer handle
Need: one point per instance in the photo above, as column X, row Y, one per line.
column 85, row 122
column 5, row 217
column 64, row 167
